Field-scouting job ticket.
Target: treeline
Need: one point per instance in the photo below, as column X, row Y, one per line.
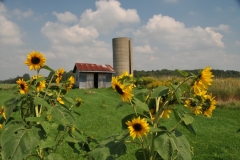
column 164, row 72
column 27, row 77
column 154, row 73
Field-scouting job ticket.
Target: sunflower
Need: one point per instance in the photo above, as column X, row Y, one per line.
column 70, row 83
column 35, row 60
column 203, row 80
column 22, row 85
column 138, row 127
column 39, row 85
column 2, row 112
column 125, row 92
column 166, row 113
column 128, row 78
column 209, row 105
column 194, row 107
column 59, row 74
column 78, row 102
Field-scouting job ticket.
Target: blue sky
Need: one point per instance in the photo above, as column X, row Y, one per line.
column 167, row 34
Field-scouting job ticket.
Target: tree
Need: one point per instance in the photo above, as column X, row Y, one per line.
column 26, row 77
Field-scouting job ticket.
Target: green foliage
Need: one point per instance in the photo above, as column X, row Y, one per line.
column 172, row 145
column 39, row 120
column 154, row 105
column 20, row 139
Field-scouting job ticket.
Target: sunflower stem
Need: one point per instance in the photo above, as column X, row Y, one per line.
column 40, row 110
column 48, row 86
column 185, row 80
column 134, row 108
column 152, row 146
column 36, row 111
column 144, row 154
column 176, row 125
column 70, row 107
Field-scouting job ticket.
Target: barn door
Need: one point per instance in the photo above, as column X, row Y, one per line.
column 90, row 80
column 101, row 80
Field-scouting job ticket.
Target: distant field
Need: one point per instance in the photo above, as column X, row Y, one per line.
column 216, row 139
column 6, row 86
column 225, row 90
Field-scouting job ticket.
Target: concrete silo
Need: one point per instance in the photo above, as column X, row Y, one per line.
column 122, row 55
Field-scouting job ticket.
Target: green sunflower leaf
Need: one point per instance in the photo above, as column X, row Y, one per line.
column 152, row 129
column 54, row 156
column 178, row 93
column 183, row 73
column 159, row 91
column 172, row 145
column 112, row 146
column 140, row 104
column 48, row 68
column 39, row 79
column 69, row 100
column 48, row 142
column 46, row 126
column 187, row 119
column 99, row 153
column 10, row 104
column 41, row 101
column 18, row 142
column 35, row 119
column 63, row 116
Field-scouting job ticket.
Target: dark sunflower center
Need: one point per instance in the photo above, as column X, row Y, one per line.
column 193, row 104
column 35, row 60
column 38, row 84
column 137, row 127
column 206, row 105
column 119, row 89
column 22, row 86
column 59, row 74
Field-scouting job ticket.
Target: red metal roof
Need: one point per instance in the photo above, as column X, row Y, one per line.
column 86, row 67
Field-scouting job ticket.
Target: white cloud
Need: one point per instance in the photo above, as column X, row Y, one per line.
column 108, row 16
column 218, row 9
column 176, row 46
column 164, row 31
column 237, row 43
column 62, row 34
column 78, row 42
column 21, row 14
column 2, row 8
column 10, row 33
column 143, row 49
column 221, row 27
column 66, row 17
column 125, row 32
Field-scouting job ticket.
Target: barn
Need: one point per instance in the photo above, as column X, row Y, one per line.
column 93, row 75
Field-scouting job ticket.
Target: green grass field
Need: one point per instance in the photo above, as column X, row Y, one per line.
column 217, row 137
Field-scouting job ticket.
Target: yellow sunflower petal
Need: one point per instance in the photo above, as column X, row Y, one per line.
column 35, row 60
